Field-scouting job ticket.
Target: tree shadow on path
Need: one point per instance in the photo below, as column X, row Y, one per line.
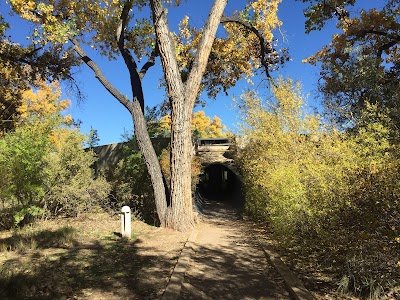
column 227, row 262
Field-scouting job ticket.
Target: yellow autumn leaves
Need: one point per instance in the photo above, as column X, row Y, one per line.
column 43, row 102
column 235, row 54
column 374, row 29
column 202, row 126
column 266, row 17
column 41, row 109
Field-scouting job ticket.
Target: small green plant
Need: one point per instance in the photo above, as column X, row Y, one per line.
column 27, row 214
column 344, row 285
column 375, row 288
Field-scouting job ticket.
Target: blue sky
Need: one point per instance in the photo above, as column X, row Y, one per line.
column 102, row 112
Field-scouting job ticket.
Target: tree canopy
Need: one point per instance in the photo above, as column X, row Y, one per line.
column 362, row 63
column 22, row 67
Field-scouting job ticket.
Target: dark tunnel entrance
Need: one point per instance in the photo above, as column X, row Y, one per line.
column 219, row 183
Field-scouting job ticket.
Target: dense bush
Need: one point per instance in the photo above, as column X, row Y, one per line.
column 22, row 163
column 333, row 193
column 44, row 170
column 70, row 184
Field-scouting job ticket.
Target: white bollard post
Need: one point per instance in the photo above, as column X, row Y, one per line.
column 126, row 222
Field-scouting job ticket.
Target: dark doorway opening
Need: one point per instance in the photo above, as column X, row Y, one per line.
column 219, row 183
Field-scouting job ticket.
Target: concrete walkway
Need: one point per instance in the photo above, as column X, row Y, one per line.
column 227, row 262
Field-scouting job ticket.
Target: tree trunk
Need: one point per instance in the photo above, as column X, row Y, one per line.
column 137, row 111
column 180, row 215
column 151, row 160
column 180, row 212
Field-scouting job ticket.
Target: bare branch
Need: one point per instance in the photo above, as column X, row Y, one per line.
column 124, row 100
column 130, row 63
column 151, row 62
column 266, row 48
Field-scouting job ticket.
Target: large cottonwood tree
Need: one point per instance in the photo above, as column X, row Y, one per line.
column 192, row 59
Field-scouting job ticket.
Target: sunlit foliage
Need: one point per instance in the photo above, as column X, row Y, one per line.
column 42, row 104
column 202, row 126
column 234, row 56
column 361, row 65
column 70, row 184
column 57, row 20
column 43, row 165
column 325, row 192
column 24, row 66
column 237, row 54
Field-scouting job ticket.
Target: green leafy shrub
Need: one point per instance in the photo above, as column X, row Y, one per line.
column 22, row 155
column 71, row 188
column 43, row 165
column 27, row 214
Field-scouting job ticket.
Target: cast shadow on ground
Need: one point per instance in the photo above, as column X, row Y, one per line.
column 233, row 267
column 61, row 268
column 233, row 272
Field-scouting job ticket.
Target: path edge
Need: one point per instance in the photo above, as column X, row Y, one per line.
column 174, row 285
column 294, row 285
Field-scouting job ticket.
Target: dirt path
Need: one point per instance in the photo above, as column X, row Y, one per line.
column 227, row 262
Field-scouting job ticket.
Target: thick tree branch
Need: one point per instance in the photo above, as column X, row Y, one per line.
column 151, row 62
column 204, row 50
column 130, row 63
column 16, row 59
column 394, row 39
column 362, row 33
column 387, row 46
column 124, row 100
column 32, row 52
column 25, row 58
column 265, row 47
